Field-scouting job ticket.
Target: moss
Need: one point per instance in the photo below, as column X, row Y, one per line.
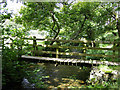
column 105, row 69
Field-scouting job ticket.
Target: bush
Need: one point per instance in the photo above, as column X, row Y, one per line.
column 12, row 68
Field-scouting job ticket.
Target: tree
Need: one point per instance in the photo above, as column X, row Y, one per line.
column 90, row 20
column 75, row 20
column 41, row 16
column 12, row 68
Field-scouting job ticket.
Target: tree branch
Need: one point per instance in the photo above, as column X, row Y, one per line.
column 58, row 26
column 77, row 33
column 53, row 25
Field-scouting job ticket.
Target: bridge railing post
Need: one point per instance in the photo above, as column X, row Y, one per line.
column 34, row 45
column 57, row 51
column 84, row 51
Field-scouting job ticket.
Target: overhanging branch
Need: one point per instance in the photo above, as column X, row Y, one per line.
column 58, row 26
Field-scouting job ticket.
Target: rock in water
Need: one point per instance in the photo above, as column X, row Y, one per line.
column 103, row 74
column 27, row 84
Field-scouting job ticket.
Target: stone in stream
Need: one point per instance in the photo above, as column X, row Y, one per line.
column 27, row 84
column 102, row 74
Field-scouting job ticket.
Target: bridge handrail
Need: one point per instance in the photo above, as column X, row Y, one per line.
column 77, row 54
column 75, row 47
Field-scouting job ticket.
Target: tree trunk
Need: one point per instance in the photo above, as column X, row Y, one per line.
column 58, row 26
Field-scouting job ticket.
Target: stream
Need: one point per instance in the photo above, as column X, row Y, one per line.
column 60, row 75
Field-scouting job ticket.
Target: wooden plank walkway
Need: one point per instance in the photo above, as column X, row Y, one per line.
column 70, row 60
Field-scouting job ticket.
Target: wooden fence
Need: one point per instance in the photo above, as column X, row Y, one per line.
column 86, row 45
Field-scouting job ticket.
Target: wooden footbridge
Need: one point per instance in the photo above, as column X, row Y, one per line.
column 70, row 61
column 71, row 51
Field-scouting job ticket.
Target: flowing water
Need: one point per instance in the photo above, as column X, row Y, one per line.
column 61, row 75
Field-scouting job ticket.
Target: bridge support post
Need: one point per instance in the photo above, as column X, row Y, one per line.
column 57, row 51
column 84, row 51
column 34, row 45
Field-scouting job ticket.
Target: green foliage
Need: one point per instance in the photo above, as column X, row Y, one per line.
column 88, row 20
column 105, row 69
column 98, row 81
column 105, row 85
column 94, row 52
column 39, row 12
column 12, row 68
column 35, row 78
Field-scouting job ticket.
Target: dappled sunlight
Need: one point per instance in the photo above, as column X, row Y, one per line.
column 60, row 45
